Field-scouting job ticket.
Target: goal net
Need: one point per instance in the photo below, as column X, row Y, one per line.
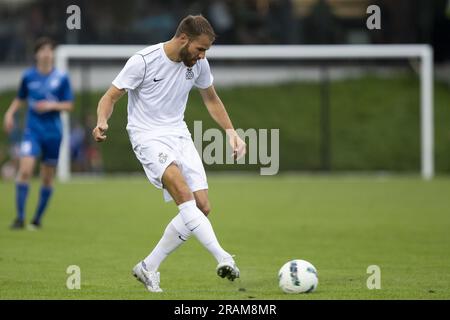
column 263, row 70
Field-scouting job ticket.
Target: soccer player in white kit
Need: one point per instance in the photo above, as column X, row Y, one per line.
column 158, row 80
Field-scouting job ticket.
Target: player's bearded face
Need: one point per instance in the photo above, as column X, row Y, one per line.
column 189, row 59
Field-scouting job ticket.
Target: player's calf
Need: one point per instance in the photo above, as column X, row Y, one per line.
column 202, row 201
column 204, row 208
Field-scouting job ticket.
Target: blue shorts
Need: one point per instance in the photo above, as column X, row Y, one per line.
column 45, row 146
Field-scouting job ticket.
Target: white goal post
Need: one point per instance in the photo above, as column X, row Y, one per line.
column 424, row 53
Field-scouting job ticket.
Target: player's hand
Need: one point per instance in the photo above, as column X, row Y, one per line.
column 8, row 123
column 44, row 106
column 99, row 132
column 238, row 145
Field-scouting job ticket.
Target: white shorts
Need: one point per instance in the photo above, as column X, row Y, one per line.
column 156, row 153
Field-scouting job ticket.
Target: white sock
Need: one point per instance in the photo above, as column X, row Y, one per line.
column 175, row 235
column 200, row 226
column 178, row 223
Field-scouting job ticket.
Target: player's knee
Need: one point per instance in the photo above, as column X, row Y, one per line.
column 47, row 181
column 180, row 192
column 47, row 176
column 24, row 175
column 174, row 182
column 184, row 195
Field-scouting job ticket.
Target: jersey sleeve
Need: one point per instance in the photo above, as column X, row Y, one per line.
column 132, row 74
column 22, row 94
column 65, row 91
column 205, row 78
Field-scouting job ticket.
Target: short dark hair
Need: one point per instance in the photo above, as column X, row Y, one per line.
column 42, row 42
column 195, row 26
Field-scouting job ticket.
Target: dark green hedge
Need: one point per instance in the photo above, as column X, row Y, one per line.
column 375, row 124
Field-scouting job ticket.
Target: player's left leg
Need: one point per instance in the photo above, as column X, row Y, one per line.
column 227, row 267
column 50, row 152
column 45, row 193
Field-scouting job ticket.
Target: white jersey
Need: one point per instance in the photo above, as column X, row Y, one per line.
column 158, row 90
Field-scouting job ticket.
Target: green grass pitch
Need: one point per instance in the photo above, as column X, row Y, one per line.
column 342, row 224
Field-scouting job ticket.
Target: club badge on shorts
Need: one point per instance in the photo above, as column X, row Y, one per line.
column 162, row 157
column 189, row 74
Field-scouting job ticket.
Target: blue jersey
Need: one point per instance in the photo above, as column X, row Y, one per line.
column 43, row 131
column 34, row 87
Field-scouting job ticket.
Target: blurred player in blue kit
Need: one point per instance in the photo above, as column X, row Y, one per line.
column 46, row 92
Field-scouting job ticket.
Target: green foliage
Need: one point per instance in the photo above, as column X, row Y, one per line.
column 375, row 124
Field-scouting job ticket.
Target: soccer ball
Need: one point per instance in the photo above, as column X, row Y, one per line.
column 298, row 276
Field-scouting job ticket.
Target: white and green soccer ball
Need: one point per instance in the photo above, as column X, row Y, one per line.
column 298, row 276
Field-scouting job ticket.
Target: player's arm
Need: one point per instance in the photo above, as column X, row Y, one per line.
column 46, row 106
column 104, row 111
column 218, row 112
column 8, row 121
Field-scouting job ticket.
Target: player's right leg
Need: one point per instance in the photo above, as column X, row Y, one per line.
column 174, row 236
column 196, row 221
column 155, row 156
column 26, row 167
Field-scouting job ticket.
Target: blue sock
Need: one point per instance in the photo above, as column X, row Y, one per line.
column 44, row 197
column 21, row 199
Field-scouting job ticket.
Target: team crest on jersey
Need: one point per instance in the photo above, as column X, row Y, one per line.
column 189, row 74
column 54, row 83
column 162, row 157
